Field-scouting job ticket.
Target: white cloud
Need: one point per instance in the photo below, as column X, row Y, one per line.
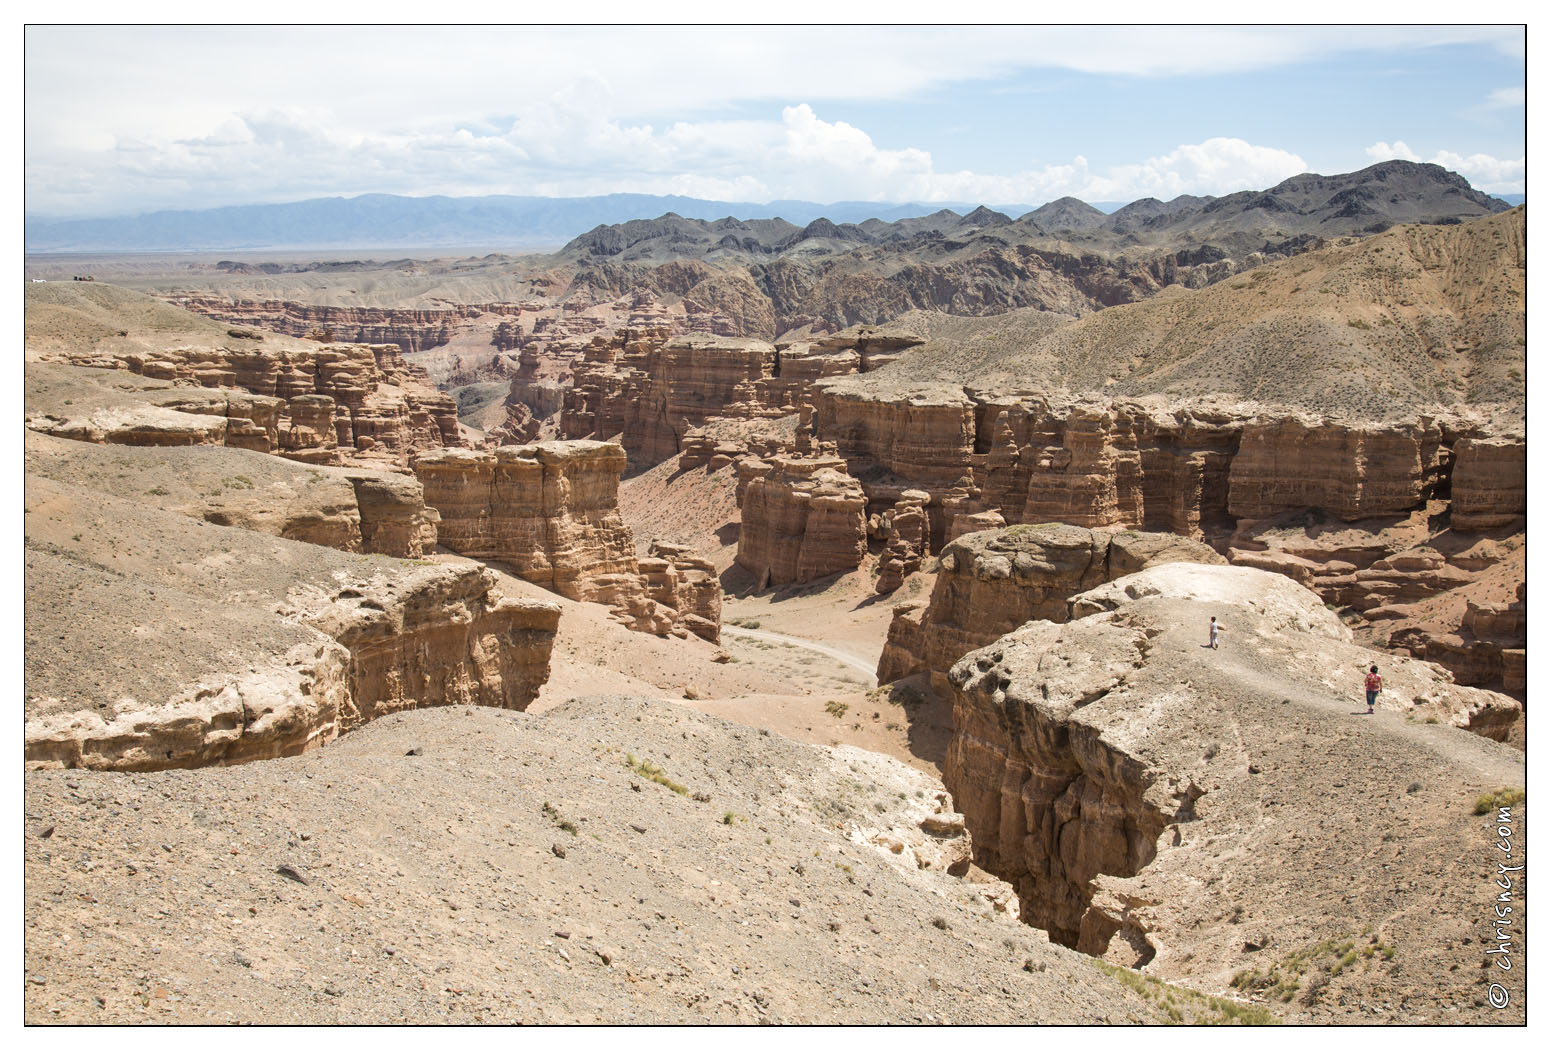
column 567, row 146
column 1486, row 173
column 1505, row 98
column 1396, row 151
column 133, row 118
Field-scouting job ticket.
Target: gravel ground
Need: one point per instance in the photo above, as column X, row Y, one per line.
column 468, row 865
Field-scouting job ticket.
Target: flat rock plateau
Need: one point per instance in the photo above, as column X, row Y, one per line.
column 744, row 623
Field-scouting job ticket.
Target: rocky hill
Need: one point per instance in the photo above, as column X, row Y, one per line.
column 1363, row 202
column 766, row 277
column 1419, row 318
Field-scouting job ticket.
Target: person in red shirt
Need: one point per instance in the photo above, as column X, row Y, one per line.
column 1373, row 684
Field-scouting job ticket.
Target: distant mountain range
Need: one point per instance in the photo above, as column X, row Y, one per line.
column 1285, row 219
column 389, row 221
column 379, row 220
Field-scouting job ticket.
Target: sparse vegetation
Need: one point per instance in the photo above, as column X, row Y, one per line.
column 837, row 708
column 559, row 821
column 1311, row 968
column 1186, row 1006
column 1503, row 797
column 654, row 773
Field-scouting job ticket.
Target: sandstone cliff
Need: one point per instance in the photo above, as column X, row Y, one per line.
column 992, row 582
column 550, row 511
column 192, row 644
column 652, row 388
column 802, row 519
column 1166, row 805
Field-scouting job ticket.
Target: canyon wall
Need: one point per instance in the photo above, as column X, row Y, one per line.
column 334, row 404
column 550, row 512
column 990, row 583
column 652, row 388
column 1105, row 766
column 411, row 329
column 1376, row 517
column 802, row 519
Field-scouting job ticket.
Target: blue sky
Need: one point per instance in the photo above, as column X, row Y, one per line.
column 131, row 119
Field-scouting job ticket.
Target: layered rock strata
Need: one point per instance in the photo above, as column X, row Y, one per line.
column 192, row 644
column 652, row 388
column 992, row 582
column 351, row 509
column 802, row 519
column 411, row 329
column 1377, row 516
column 320, row 406
column 1106, row 766
column 550, row 511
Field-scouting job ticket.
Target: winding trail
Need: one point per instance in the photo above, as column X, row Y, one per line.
column 791, row 640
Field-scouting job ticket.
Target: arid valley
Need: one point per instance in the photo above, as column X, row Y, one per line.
column 736, row 621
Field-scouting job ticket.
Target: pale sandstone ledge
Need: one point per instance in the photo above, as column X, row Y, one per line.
column 349, row 508
column 157, row 640
column 1206, row 813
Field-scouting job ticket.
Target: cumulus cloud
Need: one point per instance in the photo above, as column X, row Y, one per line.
column 1486, row 173
column 567, row 145
column 1380, row 152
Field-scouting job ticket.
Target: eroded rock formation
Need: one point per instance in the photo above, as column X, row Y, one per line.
column 802, row 519
column 411, row 329
column 259, row 647
column 652, row 388
column 348, row 508
column 992, row 582
column 328, row 405
column 1106, row 766
column 550, row 511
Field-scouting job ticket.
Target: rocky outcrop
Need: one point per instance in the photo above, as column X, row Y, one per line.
column 259, row 647
column 1105, row 766
column 680, row 581
column 347, row 508
column 329, row 405
column 990, row 583
column 802, row 519
column 1488, row 482
column 550, row 512
column 410, row 329
column 903, row 529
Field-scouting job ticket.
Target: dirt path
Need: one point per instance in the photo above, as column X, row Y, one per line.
column 849, row 661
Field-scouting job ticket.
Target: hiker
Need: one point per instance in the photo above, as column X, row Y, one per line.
column 1211, row 635
column 1373, row 684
